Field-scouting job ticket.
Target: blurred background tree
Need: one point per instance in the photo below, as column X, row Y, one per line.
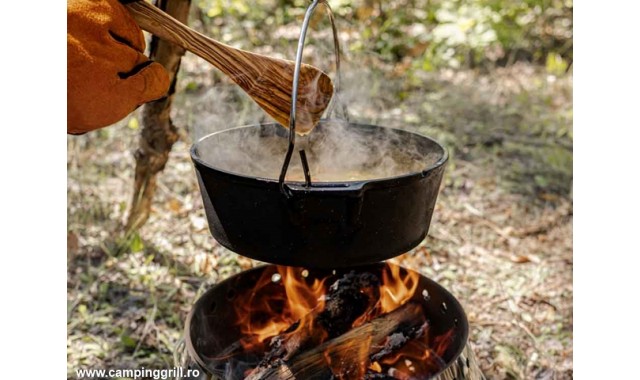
column 432, row 34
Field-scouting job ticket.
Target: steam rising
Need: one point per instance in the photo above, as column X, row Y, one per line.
column 336, row 151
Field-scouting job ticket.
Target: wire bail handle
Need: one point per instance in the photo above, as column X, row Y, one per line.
column 294, row 94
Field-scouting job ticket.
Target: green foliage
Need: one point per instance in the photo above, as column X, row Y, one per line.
column 128, row 341
column 429, row 33
column 555, row 64
column 136, row 243
column 133, row 123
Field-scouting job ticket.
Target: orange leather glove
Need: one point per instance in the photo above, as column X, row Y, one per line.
column 108, row 76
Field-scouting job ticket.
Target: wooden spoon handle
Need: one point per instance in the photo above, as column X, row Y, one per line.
column 266, row 80
column 159, row 23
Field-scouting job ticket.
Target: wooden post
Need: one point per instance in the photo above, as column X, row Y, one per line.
column 158, row 132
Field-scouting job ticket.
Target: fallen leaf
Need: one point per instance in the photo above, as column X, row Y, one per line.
column 549, row 197
column 174, row 205
column 72, row 243
column 522, row 259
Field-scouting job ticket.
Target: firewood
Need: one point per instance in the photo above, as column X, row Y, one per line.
column 370, row 375
column 347, row 299
column 348, row 353
column 397, row 340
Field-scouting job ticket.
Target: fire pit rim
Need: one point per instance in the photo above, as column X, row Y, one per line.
column 462, row 324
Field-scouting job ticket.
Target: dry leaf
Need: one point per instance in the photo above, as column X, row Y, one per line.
column 522, row 259
column 72, row 243
column 174, row 205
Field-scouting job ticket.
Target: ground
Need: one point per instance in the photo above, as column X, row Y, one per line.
column 500, row 239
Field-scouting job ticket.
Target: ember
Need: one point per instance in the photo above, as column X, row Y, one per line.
column 359, row 325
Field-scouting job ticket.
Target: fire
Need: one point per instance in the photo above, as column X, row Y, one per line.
column 419, row 356
column 301, row 297
column 397, row 289
column 375, row 366
column 286, row 313
column 270, row 311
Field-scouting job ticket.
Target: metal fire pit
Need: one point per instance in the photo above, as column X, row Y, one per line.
column 464, row 367
column 211, row 329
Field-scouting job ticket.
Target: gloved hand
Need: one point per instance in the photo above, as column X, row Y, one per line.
column 108, row 76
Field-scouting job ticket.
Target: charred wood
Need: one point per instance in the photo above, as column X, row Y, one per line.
column 347, row 299
column 397, row 340
column 346, row 356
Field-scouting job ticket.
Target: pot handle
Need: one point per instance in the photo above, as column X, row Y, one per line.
column 355, row 189
column 294, row 94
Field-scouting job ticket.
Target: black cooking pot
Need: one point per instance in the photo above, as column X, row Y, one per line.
column 334, row 221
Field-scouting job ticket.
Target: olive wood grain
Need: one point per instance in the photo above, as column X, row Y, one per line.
column 266, row 80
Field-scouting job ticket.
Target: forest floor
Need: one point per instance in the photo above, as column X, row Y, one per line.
column 500, row 239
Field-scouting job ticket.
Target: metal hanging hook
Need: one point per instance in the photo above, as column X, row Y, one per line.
column 294, row 93
column 338, row 79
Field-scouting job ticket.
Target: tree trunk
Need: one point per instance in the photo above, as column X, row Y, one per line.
column 158, row 132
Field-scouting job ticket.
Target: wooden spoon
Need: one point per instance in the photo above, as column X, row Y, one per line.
column 267, row 80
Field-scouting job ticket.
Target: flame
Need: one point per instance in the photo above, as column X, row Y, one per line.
column 419, row 356
column 271, row 310
column 301, row 297
column 285, row 301
column 375, row 366
column 397, row 288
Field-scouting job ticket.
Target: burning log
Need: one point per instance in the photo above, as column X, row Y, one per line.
column 350, row 297
column 403, row 358
column 347, row 356
column 398, row 339
column 370, row 375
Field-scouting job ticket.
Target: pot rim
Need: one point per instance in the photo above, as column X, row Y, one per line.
column 322, row 185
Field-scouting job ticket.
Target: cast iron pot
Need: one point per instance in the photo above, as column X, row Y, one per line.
column 324, row 224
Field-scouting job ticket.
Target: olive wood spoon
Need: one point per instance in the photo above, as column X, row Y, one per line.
column 266, row 80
